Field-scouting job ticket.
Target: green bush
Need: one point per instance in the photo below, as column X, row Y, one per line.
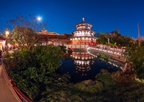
column 90, row 88
column 105, row 78
column 35, row 71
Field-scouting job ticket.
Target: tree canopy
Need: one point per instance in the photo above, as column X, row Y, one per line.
column 23, row 37
column 25, row 31
column 135, row 54
column 114, row 38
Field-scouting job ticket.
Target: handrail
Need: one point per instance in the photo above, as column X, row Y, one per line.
column 114, row 56
column 21, row 95
column 7, row 79
column 15, row 91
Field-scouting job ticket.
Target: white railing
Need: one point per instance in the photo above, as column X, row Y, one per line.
column 76, row 46
column 116, row 55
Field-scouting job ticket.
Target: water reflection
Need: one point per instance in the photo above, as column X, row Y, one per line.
column 83, row 61
column 84, row 66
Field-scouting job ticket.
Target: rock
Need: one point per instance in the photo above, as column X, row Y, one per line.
column 89, row 82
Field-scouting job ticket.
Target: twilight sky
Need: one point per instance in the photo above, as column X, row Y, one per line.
column 61, row 16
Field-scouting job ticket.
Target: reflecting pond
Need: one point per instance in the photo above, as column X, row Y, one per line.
column 83, row 66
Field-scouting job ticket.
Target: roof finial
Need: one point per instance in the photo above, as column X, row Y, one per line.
column 83, row 19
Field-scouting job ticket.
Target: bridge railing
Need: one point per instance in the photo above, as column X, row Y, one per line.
column 15, row 91
column 76, row 46
column 114, row 55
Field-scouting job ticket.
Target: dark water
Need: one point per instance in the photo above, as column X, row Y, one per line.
column 83, row 66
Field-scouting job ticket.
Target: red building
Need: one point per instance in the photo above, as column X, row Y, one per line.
column 44, row 37
column 47, row 38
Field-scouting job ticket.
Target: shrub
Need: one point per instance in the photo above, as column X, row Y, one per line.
column 105, row 78
column 89, row 87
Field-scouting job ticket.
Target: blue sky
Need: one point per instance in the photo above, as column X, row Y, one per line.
column 61, row 16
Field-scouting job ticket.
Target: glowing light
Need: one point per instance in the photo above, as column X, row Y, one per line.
column 39, row 18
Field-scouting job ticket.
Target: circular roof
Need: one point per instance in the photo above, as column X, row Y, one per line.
column 83, row 23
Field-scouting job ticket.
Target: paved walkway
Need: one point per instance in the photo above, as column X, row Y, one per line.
column 5, row 93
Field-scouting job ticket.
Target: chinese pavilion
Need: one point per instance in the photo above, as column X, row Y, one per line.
column 47, row 38
column 83, row 36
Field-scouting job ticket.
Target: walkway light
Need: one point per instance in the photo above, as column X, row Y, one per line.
column 7, row 32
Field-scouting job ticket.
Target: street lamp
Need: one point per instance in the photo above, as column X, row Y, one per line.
column 108, row 40
column 7, row 32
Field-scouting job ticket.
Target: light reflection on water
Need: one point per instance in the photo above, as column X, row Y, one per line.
column 83, row 66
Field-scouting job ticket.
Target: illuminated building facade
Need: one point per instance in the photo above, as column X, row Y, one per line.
column 83, row 36
column 47, row 38
column 44, row 37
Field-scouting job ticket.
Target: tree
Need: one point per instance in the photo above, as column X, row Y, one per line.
column 115, row 39
column 101, row 39
column 35, row 71
column 27, row 22
column 119, row 39
column 23, row 37
column 49, row 56
column 24, row 33
column 135, row 54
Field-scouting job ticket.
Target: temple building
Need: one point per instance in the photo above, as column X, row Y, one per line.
column 47, row 38
column 83, row 36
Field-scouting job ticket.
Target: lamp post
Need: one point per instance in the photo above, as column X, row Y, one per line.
column 108, row 40
column 7, row 32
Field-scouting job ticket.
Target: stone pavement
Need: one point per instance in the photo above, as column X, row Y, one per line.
column 5, row 93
